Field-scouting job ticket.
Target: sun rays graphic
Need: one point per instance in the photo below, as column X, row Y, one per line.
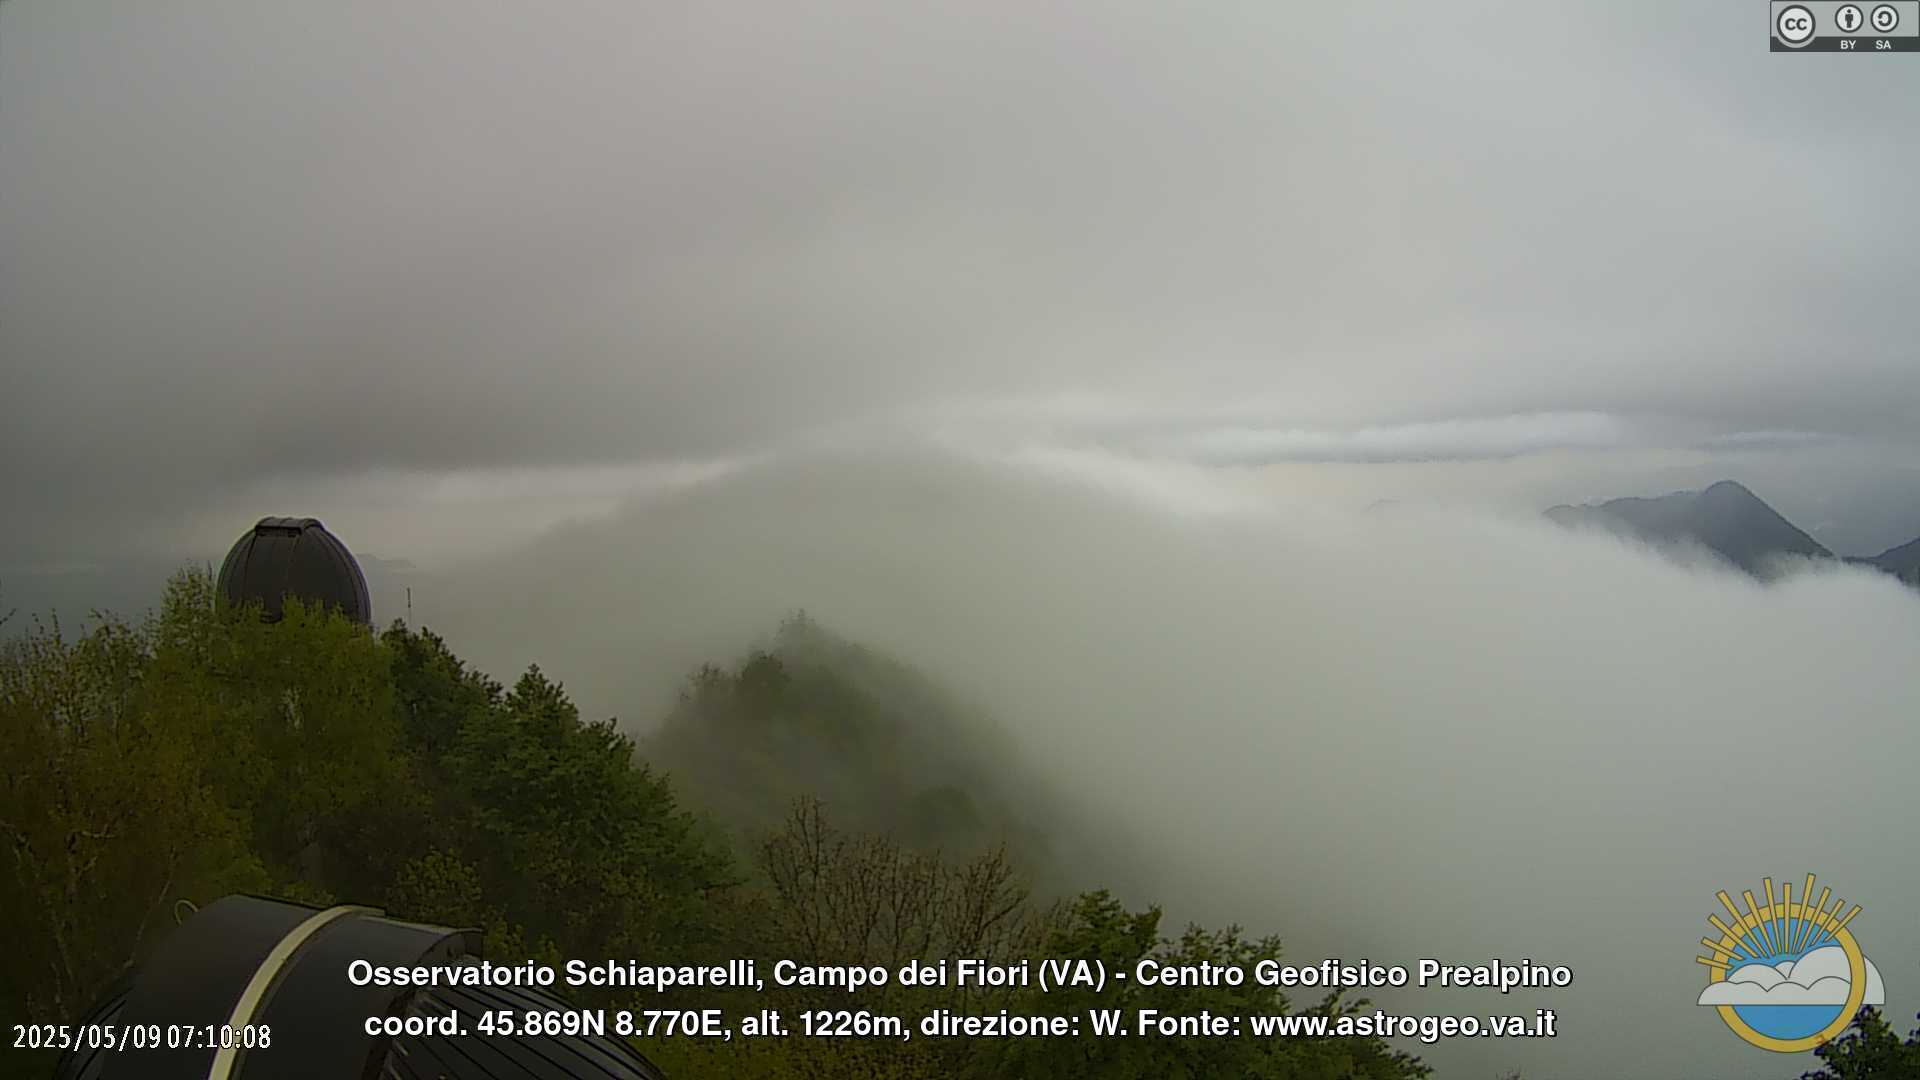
column 1752, row 965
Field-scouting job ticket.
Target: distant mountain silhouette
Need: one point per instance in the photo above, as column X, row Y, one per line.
column 1726, row 518
column 1902, row 562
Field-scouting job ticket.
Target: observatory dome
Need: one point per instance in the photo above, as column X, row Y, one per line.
column 284, row 556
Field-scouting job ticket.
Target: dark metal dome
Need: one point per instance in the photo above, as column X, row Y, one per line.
column 285, row 556
column 250, row 963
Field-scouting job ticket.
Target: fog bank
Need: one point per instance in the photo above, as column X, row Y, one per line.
column 1392, row 735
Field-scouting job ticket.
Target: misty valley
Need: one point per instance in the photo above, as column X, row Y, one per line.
column 628, row 540
column 816, row 817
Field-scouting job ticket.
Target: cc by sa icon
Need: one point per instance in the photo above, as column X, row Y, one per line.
column 1794, row 25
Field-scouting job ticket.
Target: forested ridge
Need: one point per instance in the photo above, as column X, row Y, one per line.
column 788, row 807
column 202, row 752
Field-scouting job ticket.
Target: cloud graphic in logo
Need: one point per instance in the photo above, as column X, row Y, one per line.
column 1818, row 978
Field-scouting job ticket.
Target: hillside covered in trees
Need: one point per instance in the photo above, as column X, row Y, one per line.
column 807, row 814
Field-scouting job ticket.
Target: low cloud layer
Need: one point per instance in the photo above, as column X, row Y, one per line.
column 1461, row 439
column 1390, row 736
column 255, row 245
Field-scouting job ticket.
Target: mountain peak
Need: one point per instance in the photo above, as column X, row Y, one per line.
column 1903, row 562
column 1725, row 517
column 1730, row 491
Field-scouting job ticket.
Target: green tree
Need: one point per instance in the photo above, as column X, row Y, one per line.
column 106, row 815
column 1869, row 1051
column 1099, row 929
column 295, row 723
column 571, row 837
column 813, row 714
column 204, row 752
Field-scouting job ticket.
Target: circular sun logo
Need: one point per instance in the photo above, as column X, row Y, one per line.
column 1785, row 975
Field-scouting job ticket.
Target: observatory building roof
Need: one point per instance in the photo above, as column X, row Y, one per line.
column 294, row 556
column 253, row 964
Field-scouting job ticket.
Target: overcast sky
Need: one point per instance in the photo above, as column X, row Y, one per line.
column 266, row 257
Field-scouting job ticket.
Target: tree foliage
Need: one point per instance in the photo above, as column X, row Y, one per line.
column 204, row 752
column 813, row 714
column 1869, row 1051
